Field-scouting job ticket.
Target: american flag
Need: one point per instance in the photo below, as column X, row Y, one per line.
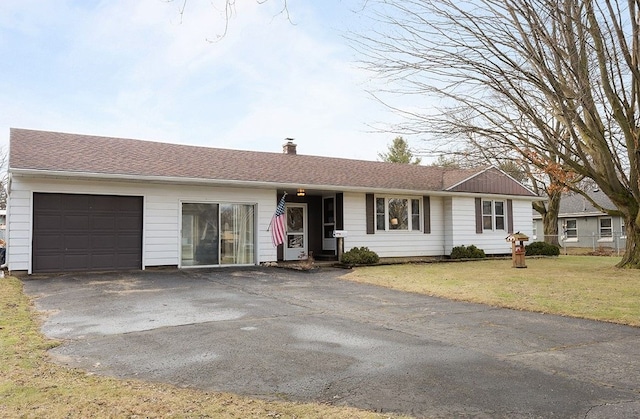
column 278, row 230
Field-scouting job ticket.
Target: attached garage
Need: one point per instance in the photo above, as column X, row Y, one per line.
column 76, row 232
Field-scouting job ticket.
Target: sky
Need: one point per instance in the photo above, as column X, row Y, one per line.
column 139, row 69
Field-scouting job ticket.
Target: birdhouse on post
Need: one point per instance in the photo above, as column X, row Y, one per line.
column 517, row 249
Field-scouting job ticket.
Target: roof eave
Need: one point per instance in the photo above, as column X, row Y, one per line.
column 583, row 214
column 534, row 198
column 247, row 183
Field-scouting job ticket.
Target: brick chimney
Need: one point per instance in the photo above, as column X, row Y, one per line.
column 289, row 147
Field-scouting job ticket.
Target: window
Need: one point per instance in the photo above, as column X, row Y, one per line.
column 499, row 214
column 415, row 214
column 398, row 214
column 493, row 215
column 606, row 228
column 380, row 214
column 487, row 215
column 571, row 229
column 217, row 234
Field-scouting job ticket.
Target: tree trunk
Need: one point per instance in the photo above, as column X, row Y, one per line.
column 631, row 257
column 549, row 213
column 550, row 219
column 550, row 226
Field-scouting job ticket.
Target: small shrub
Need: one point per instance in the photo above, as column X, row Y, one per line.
column 467, row 252
column 542, row 249
column 360, row 256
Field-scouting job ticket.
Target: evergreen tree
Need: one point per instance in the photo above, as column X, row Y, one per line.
column 399, row 152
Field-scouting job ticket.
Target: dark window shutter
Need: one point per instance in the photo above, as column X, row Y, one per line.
column 509, row 216
column 339, row 211
column 479, row 215
column 370, row 213
column 426, row 213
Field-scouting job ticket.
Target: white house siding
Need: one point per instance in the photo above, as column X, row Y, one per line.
column 447, row 208
column 161, row 232
column 18, row 231
column 522, row 217
column 392, row 243
column 162, row 203
column 463, row 226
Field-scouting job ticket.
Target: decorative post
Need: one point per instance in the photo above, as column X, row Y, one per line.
column 517, row 249
column 340, row 235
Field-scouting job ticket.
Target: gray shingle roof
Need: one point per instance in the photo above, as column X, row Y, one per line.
column 74, row 153
column 573, row 203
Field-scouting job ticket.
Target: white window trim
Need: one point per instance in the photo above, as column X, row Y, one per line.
column 494, row 216
column 565, row 236
column 605, row 238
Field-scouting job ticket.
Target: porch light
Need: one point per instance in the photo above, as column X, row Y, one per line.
column 300, row 192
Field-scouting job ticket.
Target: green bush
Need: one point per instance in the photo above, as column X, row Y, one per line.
column 542, row 248
column 360, row 256
column 470, row 252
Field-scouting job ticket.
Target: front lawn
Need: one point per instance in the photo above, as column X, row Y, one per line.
column 579, row 286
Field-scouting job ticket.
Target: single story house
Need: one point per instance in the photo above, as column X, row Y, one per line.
column 80, row 202
column 581, row 224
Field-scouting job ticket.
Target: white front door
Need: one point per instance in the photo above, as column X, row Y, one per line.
column 295, row 244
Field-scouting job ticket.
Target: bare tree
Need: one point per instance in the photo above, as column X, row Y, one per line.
column 558, row 80
column 227, row 9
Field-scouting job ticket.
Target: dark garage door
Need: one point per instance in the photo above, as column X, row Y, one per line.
column 86, row 232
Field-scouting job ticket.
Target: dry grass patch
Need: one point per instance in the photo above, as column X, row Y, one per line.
column 32, row 387
column 578, row 286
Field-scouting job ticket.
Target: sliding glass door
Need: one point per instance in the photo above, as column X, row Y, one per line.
column 215, row 234
column 237, row 236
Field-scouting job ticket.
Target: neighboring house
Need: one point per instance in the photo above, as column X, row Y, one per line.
column 580, row 224
column 79, row 202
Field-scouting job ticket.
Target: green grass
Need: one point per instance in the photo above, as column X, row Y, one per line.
column 578, row 286
column 32, row 387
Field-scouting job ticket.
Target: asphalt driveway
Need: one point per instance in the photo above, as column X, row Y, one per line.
column 279, row 334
